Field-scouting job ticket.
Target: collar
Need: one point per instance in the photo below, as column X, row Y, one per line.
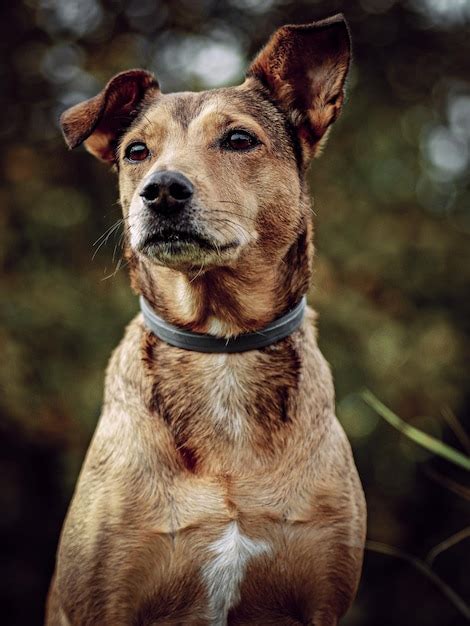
column 199, row 342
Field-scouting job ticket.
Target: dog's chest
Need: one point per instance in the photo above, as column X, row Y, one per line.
column 217, row 548
column 225, row 412
column 210, row 541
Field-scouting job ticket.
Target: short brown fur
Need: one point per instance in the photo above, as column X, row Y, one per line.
column 218, row 488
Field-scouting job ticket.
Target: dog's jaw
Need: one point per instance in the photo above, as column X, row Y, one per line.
column 227, row 301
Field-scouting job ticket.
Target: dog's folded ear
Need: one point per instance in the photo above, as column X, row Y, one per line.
column 100, row 121
column 305, row 67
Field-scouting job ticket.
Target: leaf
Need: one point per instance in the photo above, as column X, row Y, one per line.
column 418, row 436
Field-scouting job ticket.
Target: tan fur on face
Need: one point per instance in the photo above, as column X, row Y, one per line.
column 218, row 488
column 242, row 197
column 254, row 202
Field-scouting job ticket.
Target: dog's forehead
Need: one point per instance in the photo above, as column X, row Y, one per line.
column 186, row 108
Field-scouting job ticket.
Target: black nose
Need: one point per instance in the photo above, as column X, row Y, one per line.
column 166, row 192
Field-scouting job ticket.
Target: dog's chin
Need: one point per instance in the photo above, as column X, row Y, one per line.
column 187, row 251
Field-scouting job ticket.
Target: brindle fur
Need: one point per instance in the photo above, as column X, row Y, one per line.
column 188, row 444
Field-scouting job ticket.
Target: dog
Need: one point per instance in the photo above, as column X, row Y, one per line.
column 219, row 487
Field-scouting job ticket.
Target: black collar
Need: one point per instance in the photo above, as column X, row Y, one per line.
column 198, row 342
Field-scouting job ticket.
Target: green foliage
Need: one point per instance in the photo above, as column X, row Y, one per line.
column 418, row 436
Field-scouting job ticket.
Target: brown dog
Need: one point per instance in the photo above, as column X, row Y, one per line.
column 219, row 488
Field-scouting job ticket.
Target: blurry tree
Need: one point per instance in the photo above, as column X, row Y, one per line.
column 392, row 211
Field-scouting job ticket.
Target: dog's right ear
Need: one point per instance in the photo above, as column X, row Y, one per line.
column 100, row 121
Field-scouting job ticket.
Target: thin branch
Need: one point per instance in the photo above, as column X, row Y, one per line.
column 447, row 543
column 451, row 485
column 422, row 567
column 457, row 428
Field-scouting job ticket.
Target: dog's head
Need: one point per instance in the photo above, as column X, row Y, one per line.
column 209, row 178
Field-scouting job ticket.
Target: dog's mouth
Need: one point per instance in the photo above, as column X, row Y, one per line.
column 177, row 242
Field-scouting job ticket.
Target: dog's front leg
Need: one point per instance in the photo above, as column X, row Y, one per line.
column 54, row 613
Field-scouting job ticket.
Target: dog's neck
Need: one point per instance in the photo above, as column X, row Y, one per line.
column 228, row 301
column 239, row 402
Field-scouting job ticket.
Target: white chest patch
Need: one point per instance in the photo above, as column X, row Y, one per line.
column 224, row 574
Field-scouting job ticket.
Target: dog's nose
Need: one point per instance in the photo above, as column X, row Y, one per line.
column 166, row 192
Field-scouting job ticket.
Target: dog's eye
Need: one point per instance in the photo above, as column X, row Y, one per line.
column 239, row 140
column 136, row 152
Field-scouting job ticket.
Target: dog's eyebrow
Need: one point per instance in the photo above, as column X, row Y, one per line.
column 219, row 118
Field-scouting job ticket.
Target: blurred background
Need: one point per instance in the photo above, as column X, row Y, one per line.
column 392, row 206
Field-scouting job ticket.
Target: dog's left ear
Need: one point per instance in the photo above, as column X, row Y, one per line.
column 305, row 67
